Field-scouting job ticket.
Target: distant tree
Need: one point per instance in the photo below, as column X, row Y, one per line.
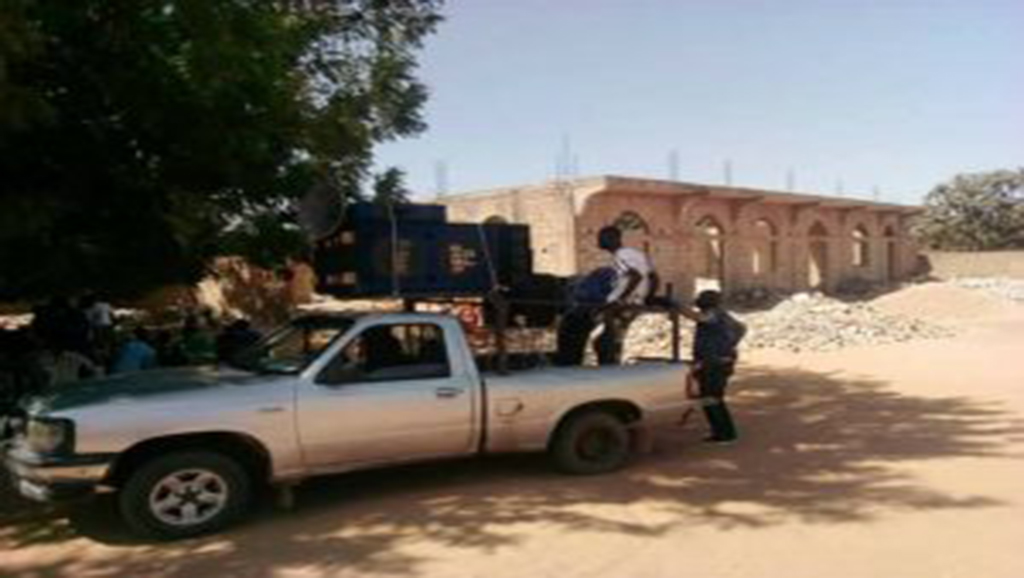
column 140, row 139
column 389, row 187
column 975, row 212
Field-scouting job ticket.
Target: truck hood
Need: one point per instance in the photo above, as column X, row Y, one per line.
column 143, row 386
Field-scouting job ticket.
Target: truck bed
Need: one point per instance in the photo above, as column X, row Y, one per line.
column 523, row 404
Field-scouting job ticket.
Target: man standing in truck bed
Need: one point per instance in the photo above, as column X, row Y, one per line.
column 636, row 281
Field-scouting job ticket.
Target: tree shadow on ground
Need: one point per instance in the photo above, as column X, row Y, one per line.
column 816, row 448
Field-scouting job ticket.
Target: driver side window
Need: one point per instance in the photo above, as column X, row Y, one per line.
column 390, row 353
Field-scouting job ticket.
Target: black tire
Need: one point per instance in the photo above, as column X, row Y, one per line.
column 591, row 443
column 223, row 478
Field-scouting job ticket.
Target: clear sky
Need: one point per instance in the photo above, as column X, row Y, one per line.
column 898, row 94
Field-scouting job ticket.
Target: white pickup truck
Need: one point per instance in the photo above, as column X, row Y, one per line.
column 185, row 448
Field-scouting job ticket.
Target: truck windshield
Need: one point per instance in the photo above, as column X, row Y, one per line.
column 290, row 349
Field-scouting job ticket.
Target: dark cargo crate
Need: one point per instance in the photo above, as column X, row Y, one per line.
column 403, row 213
column 429, row 258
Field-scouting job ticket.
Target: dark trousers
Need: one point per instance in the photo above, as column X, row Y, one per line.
column 573, row 333
column 713, row 378
column 610, row 343
column 577, row 325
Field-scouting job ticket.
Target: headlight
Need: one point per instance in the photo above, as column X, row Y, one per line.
column 47, row 435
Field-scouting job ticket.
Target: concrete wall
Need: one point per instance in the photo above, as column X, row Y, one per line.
column 547, row 210
column 947, row 265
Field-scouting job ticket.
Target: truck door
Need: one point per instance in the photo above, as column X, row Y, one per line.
column 391, row 394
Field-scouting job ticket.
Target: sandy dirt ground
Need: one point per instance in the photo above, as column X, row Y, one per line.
column 899, row 461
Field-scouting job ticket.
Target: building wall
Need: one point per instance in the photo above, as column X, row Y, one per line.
column 950, row 265
column 547, row 210
column 564, row 222
column 659, row 237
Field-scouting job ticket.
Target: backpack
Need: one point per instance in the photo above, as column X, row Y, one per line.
column 735, row 329
column 594, row 288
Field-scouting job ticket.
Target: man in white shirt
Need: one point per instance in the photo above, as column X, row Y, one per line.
column 635, row 283
column 100, row 315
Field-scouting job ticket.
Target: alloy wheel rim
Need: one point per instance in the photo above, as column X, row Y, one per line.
column 188, row 497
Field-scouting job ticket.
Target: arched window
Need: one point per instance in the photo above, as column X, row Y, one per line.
column 765, row 248
column 892, row 254
column 635, row 230
column 713, row 247
column 818, row 230
column 817, row 251
column 710, row 226
column 632, row 221
column 861, row 247
column 765, row 228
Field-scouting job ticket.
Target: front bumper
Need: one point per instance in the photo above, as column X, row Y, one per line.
column 56, row 478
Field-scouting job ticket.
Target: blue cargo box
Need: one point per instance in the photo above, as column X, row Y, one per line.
column 407, row 212
column 429, row 258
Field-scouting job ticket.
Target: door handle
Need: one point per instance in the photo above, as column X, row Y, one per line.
column 449, row 392
column 273, row 409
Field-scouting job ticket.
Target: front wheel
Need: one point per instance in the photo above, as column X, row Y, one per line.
column 184, row 494
column 591, row 443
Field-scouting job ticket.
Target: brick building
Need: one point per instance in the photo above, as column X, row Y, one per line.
column 705, row 235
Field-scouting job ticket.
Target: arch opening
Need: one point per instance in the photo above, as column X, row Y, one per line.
column 711, row 256
column 861, row 245
column 765, row 248
column 892, row 254
column 817, row 256
column 635, row 230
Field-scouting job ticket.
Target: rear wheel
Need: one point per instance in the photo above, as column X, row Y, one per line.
column 184, row 494
column 591, row 443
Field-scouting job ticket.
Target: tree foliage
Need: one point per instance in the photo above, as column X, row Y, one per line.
column 389, row 187
column 140, row 139
column 975, row 212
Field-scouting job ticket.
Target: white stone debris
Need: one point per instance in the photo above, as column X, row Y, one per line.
column 802, row 322
column 1001, row 287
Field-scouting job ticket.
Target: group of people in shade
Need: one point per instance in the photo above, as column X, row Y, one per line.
column 67, row 342
column 612, row 297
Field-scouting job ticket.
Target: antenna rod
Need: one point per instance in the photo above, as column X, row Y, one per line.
column 441, row 178
column 673, row 165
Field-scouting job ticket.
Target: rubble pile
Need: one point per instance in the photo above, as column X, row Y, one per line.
column 803, row 322
column 814, row 322
column 650, row 336
column 1004, row 288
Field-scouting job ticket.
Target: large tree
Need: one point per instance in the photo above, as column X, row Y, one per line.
column 975, row 212
column 138, row 139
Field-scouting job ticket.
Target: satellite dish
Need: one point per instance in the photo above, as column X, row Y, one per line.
column 322, row 210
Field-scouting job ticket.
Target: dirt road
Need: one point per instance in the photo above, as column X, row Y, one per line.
column 902, row 461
